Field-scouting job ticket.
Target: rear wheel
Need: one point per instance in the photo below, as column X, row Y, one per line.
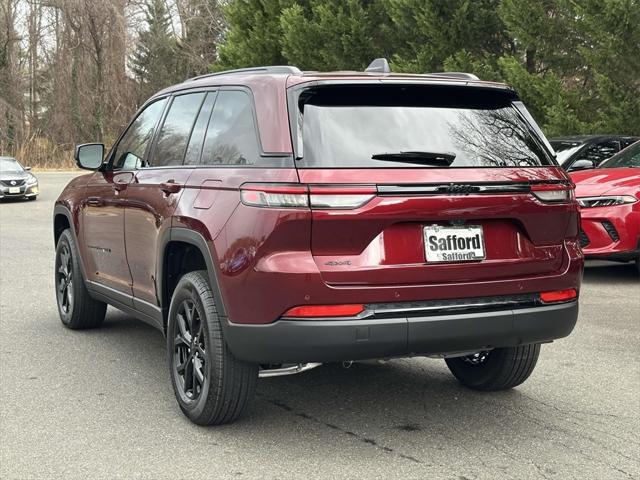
column 212, row 386
column 498, row 369
column 76, row 307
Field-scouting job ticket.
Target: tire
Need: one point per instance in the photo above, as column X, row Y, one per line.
column 31, row 199
column 498, row 369
column 211, row 386
column 76, row 307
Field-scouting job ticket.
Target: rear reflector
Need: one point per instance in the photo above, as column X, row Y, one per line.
column 552, row 193
column 315, row 311
column 558, row 295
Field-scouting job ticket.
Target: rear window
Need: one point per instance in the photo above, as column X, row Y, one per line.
column 413, row 127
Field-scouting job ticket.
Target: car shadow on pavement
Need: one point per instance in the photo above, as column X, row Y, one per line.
column 364, row 388
column 600, row 271
column 332, row 396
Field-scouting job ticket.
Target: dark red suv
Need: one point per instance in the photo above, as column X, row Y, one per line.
column 268, row 219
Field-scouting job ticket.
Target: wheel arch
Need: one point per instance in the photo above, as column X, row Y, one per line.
column 62, row 220
column 183, row 241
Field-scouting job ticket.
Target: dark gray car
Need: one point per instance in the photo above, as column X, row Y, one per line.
column 17, row 181
column 581, row 152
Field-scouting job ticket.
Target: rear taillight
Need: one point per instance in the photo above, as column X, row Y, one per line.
column 280, row 195
column 559, row 295
column 553, row 193
column 285, row 195
column 319, row 311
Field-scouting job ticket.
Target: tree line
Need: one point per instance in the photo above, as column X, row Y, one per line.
column 75, row 70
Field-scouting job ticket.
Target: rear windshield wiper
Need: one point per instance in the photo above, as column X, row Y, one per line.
column 425, row 158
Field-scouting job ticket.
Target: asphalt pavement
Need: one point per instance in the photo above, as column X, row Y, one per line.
column 99, row 404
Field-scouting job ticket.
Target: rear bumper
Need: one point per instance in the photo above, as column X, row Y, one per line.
column 300, row 341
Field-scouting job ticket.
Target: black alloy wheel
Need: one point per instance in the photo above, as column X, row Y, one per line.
column 190, row 360
column 64, row 279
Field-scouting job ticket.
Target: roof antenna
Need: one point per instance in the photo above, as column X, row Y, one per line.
column 379, row 65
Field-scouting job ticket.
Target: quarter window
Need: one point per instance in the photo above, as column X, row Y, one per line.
column 231, row 136
column 176, row 130
column 131, row 152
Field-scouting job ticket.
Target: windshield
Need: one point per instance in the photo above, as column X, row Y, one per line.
column 10, row 165
column 398, row 126
column 565, row 150
column 629, row 157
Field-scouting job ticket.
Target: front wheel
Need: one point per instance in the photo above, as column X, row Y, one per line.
column 211, row 385
column 498, row 369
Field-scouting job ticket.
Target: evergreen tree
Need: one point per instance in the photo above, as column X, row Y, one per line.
column 574, row 62
column 254, row 35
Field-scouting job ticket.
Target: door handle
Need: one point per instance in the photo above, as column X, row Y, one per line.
column 120, row 186
column 95, row 202
column 170, row 186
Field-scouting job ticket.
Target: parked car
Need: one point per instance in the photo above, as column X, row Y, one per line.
column 582, row 152
column 17, row 181
column 267, row 220
column 609, row 201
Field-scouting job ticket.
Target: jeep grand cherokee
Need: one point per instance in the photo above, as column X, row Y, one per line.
column 268, row 220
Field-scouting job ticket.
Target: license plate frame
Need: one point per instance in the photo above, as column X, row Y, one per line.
column 442, row 243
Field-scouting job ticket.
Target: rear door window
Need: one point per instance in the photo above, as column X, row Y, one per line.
column 176, row 130
column 192, row 157
column 414, row 126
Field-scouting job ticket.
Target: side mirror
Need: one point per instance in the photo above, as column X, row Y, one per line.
column 90, row 155
column 582, row 164
column 27, row 169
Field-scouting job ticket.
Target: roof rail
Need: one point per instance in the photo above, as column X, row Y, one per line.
column 463, row 75
column 273, row 69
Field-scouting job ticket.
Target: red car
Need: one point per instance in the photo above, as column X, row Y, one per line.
column 609, row 198
column 267, row 220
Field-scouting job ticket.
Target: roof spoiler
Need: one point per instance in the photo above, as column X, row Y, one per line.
column 381, row 65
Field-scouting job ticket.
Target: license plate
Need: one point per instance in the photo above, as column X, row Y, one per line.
column 454, row 244
column 14, row 189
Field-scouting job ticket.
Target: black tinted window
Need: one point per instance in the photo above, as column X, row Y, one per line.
column 231, row 136
column 599, row 151
column 130, row 152
column 625, row 142
column 176, row 130
column 349, row 126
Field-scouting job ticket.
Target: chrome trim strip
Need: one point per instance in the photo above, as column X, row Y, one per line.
column 292, row 370
column 453, row 189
